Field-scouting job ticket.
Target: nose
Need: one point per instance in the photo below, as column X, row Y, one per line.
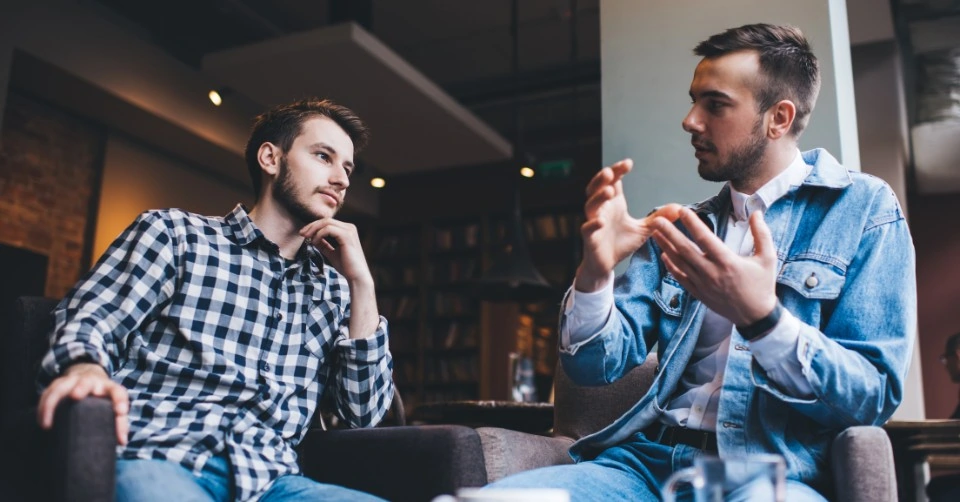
column 340, row 179
column 692, row 123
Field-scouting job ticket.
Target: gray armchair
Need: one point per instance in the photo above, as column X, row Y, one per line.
column 862, row 456
column 77, row 460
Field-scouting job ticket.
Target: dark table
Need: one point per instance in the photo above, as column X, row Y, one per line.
column 536, row 418
column 918, row 442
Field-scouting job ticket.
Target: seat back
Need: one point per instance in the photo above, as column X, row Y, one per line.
column 579, row 411
column 25, row 342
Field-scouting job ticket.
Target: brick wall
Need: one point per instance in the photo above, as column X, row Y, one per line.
column 49, row 170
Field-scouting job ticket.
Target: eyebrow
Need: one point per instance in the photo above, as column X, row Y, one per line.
column 332, row 151
column 711, row 94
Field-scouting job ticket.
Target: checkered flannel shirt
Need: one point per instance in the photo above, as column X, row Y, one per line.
column 224, row 346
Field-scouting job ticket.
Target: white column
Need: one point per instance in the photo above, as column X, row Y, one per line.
column 648, row 62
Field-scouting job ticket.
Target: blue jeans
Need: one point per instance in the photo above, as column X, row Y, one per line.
column 635, row 470
column 160, row 480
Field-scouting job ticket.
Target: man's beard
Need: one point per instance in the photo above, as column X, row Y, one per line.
column 743, row 162
column 284, row 192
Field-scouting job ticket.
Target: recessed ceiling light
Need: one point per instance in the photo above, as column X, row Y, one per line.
column 215, row 97
column 526, row 172
column 378, row 182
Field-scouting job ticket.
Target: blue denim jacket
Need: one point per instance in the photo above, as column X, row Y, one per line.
column 858, row 316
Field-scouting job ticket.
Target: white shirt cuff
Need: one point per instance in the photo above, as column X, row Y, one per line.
column 777, row 354
column 586, row 314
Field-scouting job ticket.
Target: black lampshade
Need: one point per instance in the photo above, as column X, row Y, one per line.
column 512, row 277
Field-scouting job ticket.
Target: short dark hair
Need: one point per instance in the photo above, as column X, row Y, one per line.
column 282, row 124
column 953, row 343
column 788, row 68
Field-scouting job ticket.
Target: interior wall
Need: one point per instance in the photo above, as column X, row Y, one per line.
column 49, row 170
column 936, row 234
column 884, row 150
column 136, row 178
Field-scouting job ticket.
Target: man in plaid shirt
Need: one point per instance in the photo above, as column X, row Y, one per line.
column 216, row 337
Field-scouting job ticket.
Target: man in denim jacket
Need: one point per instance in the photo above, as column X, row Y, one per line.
column 783, row 309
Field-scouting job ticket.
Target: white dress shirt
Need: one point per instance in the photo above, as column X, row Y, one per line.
column 694, row 404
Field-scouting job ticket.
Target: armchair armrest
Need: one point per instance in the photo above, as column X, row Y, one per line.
column 863, row 468
column 507, row 452
column 412, row 463
column 75, row 461
column 85, row 449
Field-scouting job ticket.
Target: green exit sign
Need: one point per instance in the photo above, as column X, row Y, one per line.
column 559, row 168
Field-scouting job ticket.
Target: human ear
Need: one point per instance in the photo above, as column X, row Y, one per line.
column 782, row 115
column 269, row 157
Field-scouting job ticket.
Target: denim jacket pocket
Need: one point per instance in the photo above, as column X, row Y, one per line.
column 813, row 279
column 670, row 296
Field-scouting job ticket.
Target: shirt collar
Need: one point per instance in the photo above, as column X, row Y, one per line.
column 744, row 205
column 242, row 228
column 245, row 232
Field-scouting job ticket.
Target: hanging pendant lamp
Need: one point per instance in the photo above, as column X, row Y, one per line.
column 512, row 277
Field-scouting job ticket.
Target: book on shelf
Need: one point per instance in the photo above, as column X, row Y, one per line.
column 398, row 308
column 392, row 245
column 456, row 237
column 461, row 335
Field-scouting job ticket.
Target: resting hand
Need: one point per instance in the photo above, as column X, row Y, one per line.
column 79, row 381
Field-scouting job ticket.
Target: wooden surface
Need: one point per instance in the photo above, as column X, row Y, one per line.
column 525, row 417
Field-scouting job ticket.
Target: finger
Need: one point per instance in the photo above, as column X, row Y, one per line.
column 681, row 246
column 762, row 239
column 679, row 275
column 602, row 179
column 51, row 398
column 123, row 429
column 709, row 243
column 609, row 175
column 311, row 228
column 670, row 211
column 679, row 267
column 328, row 235
column 596, row 201
column 82, row 388
column 324, row 247
column 121, row 407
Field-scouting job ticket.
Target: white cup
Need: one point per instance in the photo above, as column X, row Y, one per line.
column 506, row 495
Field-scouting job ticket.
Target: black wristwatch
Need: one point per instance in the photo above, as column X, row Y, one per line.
column 763, row 325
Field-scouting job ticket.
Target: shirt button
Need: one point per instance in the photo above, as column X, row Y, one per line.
column 675, row 301
column 279, row 316
column 264, row 366
column 811, row 281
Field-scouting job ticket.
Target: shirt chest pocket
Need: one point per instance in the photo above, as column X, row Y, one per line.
column 809, row 288
column 321, row 328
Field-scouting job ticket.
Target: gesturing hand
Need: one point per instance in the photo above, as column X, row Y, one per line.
column 740, row 288
column 340, row 245
column 610, row 234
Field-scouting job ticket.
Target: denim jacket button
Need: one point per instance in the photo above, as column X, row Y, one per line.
column 675, row 301
column 811, row 281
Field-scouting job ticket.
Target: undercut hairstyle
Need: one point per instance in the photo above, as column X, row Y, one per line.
column 282, row 124
column 953, row 343
column 788, row 68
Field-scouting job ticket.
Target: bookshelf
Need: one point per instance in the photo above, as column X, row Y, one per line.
column 451, row 359
column 447, row 345
column 397, row 269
